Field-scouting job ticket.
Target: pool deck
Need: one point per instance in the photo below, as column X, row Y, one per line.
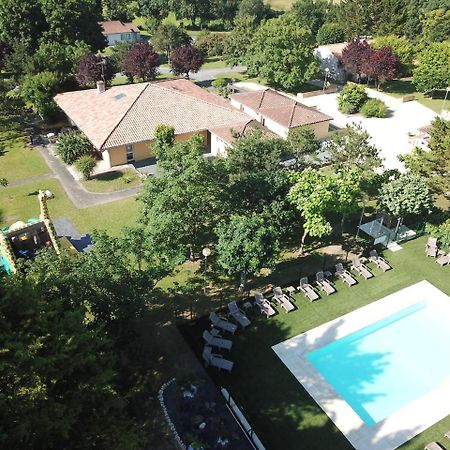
column 395, row 429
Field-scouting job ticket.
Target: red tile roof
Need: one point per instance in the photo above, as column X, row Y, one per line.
column 280, row 108
column 130, row 113
column 117, row 27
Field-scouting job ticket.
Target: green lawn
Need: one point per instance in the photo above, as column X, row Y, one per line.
column 21, row 203
column 18, row 162
column 114, row 180
column 274, row 402
column 404, row 86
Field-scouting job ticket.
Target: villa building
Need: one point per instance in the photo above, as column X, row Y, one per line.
column 117, row 31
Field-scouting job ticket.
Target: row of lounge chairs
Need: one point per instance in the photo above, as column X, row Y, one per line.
column 435, row 445
column 432, row 249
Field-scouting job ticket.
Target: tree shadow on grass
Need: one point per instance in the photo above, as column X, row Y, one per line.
column 108, row 176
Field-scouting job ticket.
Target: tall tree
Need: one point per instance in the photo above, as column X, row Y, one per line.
column 186, row 59
column 436, row 25
column 354, row 55
column 303, row 146
column 315, row 194
column 361, row 14
column 159, row 9
column 239, row 40
column 310, row 14
column 406, row 195
column 141, row 61
column 93, row 68
column 168, row 37
column 225, row 10
column 389, row 16
column 246, row 244
column 381, row 66
column 282, row 53
column 117, row 10
column 330, row 33
column 400, row 47
column 352, row 149
column 252, row 8
column 56, row 372
column 433, row 164
column 433, row 69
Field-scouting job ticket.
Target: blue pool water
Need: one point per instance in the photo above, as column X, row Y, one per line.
column 385, row 366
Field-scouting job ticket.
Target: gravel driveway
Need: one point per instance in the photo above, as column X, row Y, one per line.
column 389, row 135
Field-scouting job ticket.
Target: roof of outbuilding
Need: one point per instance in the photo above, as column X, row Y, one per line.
column 281, row 109
column 117, row 26
column 130, row 113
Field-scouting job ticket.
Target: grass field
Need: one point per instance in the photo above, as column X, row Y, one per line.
column 114, row 180
column 21, row 203
column 18, row 162
column 276, row 405
column 404, row 86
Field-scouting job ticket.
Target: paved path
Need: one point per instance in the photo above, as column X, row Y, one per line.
column 80, row 197
column 31, row 180
column 209, row 74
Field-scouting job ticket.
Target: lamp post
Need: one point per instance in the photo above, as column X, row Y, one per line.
column 102, row 64
column 205, row 252
column 327, row 71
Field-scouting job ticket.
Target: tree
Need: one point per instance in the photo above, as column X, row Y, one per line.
column 252, row 8
column 433, row 69
column 436, row 26
column 354, row 56
column 164, row 139
column 186, row 59
column 62, row 59
column 382, row 65
column 86, row 165
column 361, row 14
column 73, row 20
column 239, row 40
column 56, row 372
column 441, row 232
column 400, row 47
column 118, row 55
column 141, row 61
column 406, row 195
column 389, row 16
column 19, row 61
column 117, row 10
column 168, row 37
column 351, row 98
column 225, row 10
column 282, row 53
column 330, row 33
column 315, row 193
column 211, row 44
column 433, row 163
column 72, row 146
column 246, row 244
column 303, row 146
column 38, row 91
column 159, row 9
column 93, row 68
column 180, row 205
column 310, row 14
column 352, row 149
column 3, row 182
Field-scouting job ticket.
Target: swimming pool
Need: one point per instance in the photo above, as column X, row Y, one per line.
column 381, row 372
column 387, row 365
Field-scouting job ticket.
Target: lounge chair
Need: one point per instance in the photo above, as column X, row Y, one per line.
column 238, row 315
column 447, row 435
column 308, row 290
column 443, row 259
column 264, row 305
column 433, row 446
column 431, row 248
column 324, row 284
column 345, row 275
column 380, row 262
column 216, row 341
column 222, row 323
column 361, row 269
column 282, row 299
column 216, row 360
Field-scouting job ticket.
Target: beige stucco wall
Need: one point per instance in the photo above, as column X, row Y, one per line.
column 118, row 155
column 321, row 129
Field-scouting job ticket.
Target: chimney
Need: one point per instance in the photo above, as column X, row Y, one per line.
column 100, row 87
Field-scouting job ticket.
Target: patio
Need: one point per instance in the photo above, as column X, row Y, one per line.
column 273, row 401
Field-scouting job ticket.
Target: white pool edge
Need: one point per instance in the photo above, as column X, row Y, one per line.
column 395, row 429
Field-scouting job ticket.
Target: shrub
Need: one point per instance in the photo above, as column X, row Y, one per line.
column 441, row 232
column 374, row 108
column 86, row 165
column 73, row 145
column 351, row 99
column 221, row 86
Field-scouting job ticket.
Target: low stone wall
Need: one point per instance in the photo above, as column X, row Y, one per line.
column 329, row 90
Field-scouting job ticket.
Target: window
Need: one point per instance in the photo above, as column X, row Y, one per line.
column 130, row 153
